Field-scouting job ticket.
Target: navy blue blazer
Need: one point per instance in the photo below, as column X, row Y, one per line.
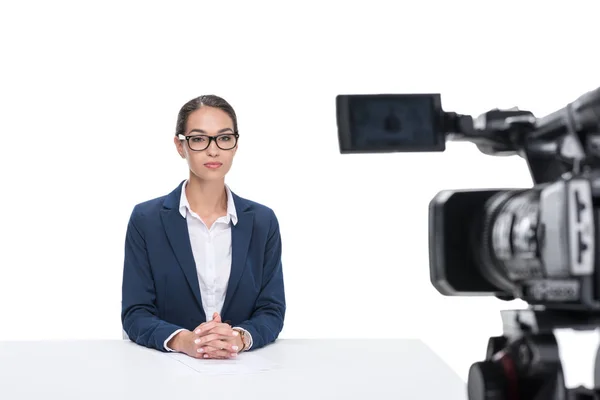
column 160, row 291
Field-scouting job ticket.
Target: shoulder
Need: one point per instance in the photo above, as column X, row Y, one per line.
column 264, row 215
column 152, row 208
column 146, row 214
column 149, row 207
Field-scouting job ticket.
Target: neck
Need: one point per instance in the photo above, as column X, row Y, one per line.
column 206, row 197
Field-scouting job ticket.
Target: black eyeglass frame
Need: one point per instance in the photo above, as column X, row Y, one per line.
column 236, row 135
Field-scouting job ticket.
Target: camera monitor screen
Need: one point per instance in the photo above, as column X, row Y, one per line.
column 390, row 123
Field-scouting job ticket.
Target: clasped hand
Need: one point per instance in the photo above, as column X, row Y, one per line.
column 213, row 339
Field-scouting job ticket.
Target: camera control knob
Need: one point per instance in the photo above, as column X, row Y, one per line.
column 486, row 381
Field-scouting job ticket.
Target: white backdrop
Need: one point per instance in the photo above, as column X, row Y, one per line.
column 89, row 96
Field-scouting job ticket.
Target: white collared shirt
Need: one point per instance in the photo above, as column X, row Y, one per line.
column 211, row 248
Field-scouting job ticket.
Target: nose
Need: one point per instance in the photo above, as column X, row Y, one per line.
column 212, row 149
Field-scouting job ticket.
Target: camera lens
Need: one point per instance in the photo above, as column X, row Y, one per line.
column 508, row 241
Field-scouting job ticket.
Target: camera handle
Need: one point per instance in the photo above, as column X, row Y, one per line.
column 524, row 363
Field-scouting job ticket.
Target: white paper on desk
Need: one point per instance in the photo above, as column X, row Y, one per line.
column 244, row 363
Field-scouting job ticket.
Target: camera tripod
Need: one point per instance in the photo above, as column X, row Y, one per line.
column 524, row 363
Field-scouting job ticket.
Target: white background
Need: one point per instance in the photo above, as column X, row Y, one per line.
column 89, row 94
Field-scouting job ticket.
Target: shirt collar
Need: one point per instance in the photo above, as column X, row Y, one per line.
column 184, row 205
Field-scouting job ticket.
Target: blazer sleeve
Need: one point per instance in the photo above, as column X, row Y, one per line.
column 266, row 322
column 139, row 314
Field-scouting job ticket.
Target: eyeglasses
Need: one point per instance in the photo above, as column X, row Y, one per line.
column 225, row 141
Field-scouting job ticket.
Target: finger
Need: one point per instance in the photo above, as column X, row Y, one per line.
column 218, row 354
column 205, row 327
column 210, row 339
column 216, row 317
column 201, row 351
column 208, row 326
column 222, row 330
column 202, row 325
column 220, row 345
column 210, row 352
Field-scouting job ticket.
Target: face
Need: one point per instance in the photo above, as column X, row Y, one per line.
column 212, row 163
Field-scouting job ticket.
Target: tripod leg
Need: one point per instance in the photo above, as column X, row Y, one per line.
column 597, row 370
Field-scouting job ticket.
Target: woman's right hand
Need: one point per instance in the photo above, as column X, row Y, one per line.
column 212, row 339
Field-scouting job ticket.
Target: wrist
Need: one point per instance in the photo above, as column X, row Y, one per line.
column 175, row 342
column 241, row 341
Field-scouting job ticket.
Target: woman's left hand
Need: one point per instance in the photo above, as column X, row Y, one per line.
column 218, row 339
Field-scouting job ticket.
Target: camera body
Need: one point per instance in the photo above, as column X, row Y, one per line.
column 536, row 244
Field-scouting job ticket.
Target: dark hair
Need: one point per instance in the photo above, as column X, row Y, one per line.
column 209, row 100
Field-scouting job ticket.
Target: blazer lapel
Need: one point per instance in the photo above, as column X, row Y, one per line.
column 177, row 233
column 241, row 233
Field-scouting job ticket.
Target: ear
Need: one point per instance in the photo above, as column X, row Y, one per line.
column 179, row 146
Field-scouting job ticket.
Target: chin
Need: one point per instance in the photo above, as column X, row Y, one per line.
column 214, row 176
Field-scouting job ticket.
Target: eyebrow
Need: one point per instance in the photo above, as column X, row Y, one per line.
column 204, row 132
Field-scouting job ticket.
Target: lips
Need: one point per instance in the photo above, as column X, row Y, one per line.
column 213, row 165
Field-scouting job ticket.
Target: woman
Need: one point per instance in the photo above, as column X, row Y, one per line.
column 202, row 272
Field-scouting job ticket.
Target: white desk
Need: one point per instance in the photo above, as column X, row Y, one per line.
column 309, row 369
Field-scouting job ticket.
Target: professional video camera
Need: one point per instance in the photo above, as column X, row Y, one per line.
column 536, row 244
